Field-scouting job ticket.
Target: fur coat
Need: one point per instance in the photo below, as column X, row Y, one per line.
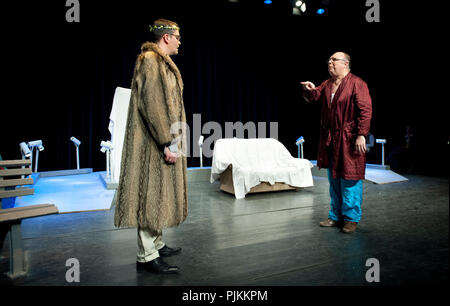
column 152, row 194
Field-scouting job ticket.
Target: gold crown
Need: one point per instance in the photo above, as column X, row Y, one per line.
column 163, row 27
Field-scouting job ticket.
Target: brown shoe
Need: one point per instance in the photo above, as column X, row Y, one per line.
column 349, row 227
column 329, row 223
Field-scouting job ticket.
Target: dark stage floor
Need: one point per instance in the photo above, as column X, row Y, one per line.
column 264, row 239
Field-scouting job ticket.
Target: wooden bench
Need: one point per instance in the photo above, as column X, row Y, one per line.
column 11, row 218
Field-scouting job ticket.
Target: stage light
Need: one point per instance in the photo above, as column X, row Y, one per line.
column 75, row 141
column 267, row 2
column 200, row 141
column 32, row 145
column 303, row 7
column 299, row 7
column 299, row 144
column 25, row 151
column 320, row 11
column 382, row 141
column 106, row 146
column 36, row 143
column 200, row 144
column 77, row 144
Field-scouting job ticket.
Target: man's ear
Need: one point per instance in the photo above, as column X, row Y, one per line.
column 166, row 38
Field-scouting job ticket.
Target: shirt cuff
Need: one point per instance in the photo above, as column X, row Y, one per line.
column 173, row 148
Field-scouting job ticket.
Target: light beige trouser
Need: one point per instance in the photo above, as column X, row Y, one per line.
column 149, row 242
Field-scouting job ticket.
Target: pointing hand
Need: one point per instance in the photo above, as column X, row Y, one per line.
column 308, row 85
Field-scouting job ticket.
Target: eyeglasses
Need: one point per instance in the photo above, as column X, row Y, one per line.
column 178, row 37
column 333, row 59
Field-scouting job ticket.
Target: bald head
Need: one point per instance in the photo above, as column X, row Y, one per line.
column 346, row 56
column 339, row 64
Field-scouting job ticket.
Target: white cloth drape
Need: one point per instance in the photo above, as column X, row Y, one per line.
column 259, row 160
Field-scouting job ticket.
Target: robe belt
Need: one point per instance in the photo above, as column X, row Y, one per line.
column 346, row 125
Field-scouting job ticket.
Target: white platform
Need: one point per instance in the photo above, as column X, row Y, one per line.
column 84, row 192
column 377, row 174
column 70, row 193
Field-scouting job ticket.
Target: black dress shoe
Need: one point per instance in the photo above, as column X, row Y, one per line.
column 157, row 265
column 166, row 251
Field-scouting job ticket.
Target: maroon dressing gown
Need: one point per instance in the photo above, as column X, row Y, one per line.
column 340, row 123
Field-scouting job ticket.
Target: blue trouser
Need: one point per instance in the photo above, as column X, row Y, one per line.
column 346, row 198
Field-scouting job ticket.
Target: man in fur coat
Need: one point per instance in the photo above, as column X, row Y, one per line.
column 152, row 190
column 344, row 123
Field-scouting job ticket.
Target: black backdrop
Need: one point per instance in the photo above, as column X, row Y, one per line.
column 239, row 61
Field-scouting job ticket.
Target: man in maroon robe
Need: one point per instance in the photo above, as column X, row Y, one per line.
column 344, row 122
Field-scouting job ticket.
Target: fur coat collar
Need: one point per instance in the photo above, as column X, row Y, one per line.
column 150, row 46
